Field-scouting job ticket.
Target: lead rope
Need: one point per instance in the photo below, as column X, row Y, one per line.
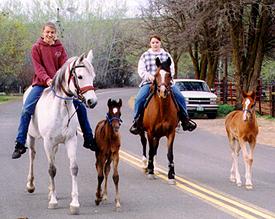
column 69, row 120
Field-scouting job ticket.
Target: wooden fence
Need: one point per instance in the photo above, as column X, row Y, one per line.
column 226, row 92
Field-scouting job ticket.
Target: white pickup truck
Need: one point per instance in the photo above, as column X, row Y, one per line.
column 198, row 97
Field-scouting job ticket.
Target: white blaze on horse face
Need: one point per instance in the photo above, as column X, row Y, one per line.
column 115, row 110
column 247, row 102
column 162, row 75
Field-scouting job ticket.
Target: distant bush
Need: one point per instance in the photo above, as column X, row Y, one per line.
column 224, row 109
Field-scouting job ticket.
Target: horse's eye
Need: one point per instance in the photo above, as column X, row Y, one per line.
column 79, row 77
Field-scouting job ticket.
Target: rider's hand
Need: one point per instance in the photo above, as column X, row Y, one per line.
column 49, row 82
column 151, row 78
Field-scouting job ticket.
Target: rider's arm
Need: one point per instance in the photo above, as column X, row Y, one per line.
column 143, row 73
column 172, row 67
column 39, row 69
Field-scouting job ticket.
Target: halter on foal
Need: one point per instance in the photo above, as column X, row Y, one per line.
column 242, row 127
column 108, row 141
column 55, row 121
column 160, row 118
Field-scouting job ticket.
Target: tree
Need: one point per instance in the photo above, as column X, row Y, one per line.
column 13, row 51
column 162, row 17
column 251, row 26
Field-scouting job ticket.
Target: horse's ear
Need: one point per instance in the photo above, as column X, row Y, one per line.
column 90, row 56
column 109, row 102
column 80, row 59
column 158, row 63
column 244, row 94
column 169, row 62
column 253, row 95
column 120, row 102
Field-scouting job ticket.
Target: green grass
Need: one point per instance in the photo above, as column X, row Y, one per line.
column 224, row 109
column 268, row 117
column 7, row 98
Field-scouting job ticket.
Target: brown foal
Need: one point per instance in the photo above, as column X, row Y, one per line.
column 108, row 142
column 242, row 128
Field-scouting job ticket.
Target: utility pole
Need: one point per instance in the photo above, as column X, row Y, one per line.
column 61, row 30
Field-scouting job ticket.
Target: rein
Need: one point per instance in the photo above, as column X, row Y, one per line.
column 63, row 98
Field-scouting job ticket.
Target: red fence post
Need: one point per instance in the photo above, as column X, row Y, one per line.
column 259, row 94
column 272, row 100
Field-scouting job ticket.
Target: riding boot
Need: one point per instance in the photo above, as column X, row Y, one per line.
column 187, row 124
column 19, row 149
column 90, row 143
column 135, row 128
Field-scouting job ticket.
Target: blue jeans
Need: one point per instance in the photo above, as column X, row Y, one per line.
column 28, row 110
column 144, row 92
column 83, row 119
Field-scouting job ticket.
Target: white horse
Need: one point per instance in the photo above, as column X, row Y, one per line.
column 56, row 122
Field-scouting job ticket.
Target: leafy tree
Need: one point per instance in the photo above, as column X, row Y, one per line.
column 251, row 25
column 13, row 34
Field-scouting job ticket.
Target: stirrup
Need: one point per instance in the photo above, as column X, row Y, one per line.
column 188, row 125
column 192, row 125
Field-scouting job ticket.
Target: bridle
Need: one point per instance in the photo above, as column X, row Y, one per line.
column 249, row 111
column 79, row 90
column 158, row 86
column 110, row 118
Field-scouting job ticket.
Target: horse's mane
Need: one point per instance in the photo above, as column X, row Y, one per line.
column 60, row 75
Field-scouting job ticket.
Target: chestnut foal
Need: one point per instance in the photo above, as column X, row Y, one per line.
column 108, row 142
column 242, row 127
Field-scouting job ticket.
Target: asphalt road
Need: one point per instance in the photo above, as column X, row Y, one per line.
column 202, row 165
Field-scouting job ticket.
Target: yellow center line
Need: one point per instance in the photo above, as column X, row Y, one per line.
column 205, row 195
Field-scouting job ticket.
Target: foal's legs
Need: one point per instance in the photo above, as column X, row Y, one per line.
column 71, row 146
column 106, row 174
column 100, row 177
column 32, row 152
column 170, row 156
column 234, row 172
column 116, row 177
column 248, row 160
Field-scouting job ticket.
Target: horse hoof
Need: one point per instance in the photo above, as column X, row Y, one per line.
column 232, row 179
column 30, row 189
column 239, row 184
column 104, row 198
column 171, row 181
column 144, row 162
column 249, row 187
column 145, row 170
column 97, row 202
column 74, row 210
column 151, row 176
column 118, row 205
column 52, row 205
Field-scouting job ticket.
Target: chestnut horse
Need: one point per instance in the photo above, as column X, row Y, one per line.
column 242, row 127
column 108, row 141
column 160, row 118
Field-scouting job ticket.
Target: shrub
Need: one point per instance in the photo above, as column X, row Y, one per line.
column 224, row 109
